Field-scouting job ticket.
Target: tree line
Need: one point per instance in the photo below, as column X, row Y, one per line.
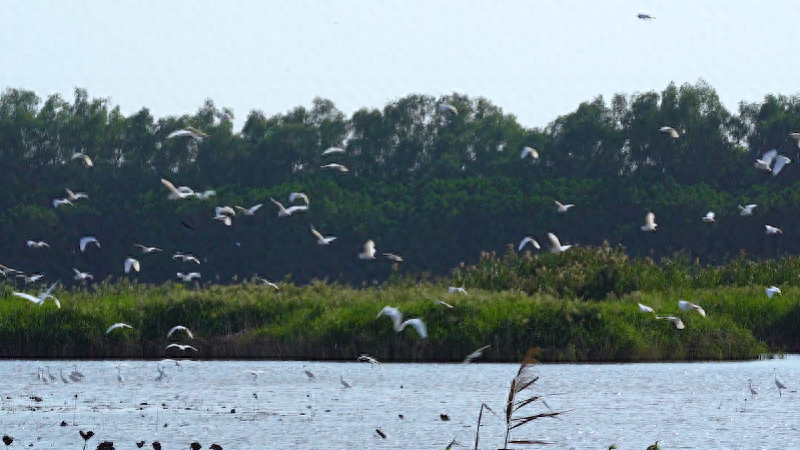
column 435, row 186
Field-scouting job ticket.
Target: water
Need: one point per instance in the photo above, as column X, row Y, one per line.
column 684, row 405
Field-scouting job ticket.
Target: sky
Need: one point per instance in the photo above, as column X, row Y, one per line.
column 534, row 59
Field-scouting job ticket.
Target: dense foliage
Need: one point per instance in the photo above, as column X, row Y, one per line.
column 436, row 187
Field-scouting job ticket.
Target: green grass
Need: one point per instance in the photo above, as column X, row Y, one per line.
column 321, row 321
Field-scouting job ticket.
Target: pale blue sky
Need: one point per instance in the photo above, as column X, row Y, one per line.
column 535, row 59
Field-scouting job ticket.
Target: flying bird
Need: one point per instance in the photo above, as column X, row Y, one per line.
column 131, row 263
column 88, row 240
column 528, row 240
column 333, row 150
column 41, row 297
column 268, row 283
column 709, row 217
column 30, row 279
column 772, row 162
column 146, row 249
column 369, row 250
column 399, row 325
column 563, row 208
column 205, row 195
column 82, row 276
column 251, row 211
column 773, row 230
column 284, row 212
column 796, row 137
column 84, row 157
column 772, row 290
column 180, row 347
column 226, row 219
column 646, row 17
column 118, row 325
column 180, row 328
column 671, row 131
column 61, row 201
column 556, row 246
column 394, row 257
column 369, row 359
column 177, row 193
column 687, row 306
column 456, row 290
column 186, row 258
column 188, row 132
column 673, row 320
column 649, row 222
column 224, row 210
column 336, row 166
column 189, row 276
column 74, row 196
column 37, row 244
column 439, row 302
column 322, row 240
column 476, row 354
column 444, row 107
column 747, row 210
column 298, row 195
column 529, row 151
column 645, row 308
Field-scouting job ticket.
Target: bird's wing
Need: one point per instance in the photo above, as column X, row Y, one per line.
column 278, row 204
column 650, row 220
column 418, row 325
column 369, row 247
column 780, row 161
column 255, row 208
column 317, row 234
column 769, row 156
column 36, row 300
column 522, row 243
column 554, row 240
column 170, row 187
column 559, row 204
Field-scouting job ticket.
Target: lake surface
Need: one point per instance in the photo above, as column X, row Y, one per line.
column 684, row 405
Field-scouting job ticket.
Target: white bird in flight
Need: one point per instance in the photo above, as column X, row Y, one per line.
column 224, row 219
column 456, row 290
column 181, row 347
column 526, row 151
column 747, row 210
column 189, row 276
column 369, row 250
column 284, row 212
column 74, row 196
column 563, row 208
column 188, row 132
column 61, row 201
column 335, row 166
column 528, row 240
column 180, row 328
column 30, row 279
column 84, row 157
column 186, row 258
column 393, row 256
column 118, row 325
column 82, row 276
column 322, row 240
column 333, row 150
column 131, row 263
column 251, row 211
column 41, row 297
column 687, row 306
column 645, row 308
column 85, row 241
column 649, row 222
column 673, row 320
column 298, row 195
column 399, row 325
column 709, row 217
column 177, row 193
column 772, row 162
column 671, row 131
column 439, row 302
column 556, row 246
column 476, row 354
column 796, row 137
column 773, row 230
column 224, row 210
column 205, row 195
column 444, row 107
column 772, row 290
column 146, row 249
column 37, row 244
column 268, row 283
column 369, row 359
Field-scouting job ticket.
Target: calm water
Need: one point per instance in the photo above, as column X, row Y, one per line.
column 684, row 405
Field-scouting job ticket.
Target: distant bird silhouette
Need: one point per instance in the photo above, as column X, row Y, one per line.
column 753, row 392
column 215, row 447
column 345, row 384
column 195, row 446
column 444, row 417
column 778, row 383
column 105, row 445
column 157, row 445
column 380, row 433
column 7, row 439
column 140, row 444
column 86, row 436
column 645, row 16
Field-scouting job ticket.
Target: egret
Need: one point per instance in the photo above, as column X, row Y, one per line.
column 529, row 151
column 673, row 320
column 780, row 161
column 322, row 240
column 335, row 166
column 61, row 201
column 771, row 161
column 772, row 290
column 177, row 193
column 181, row 347
column 753, row 392
column 778, row 383
column 189, row 276
column 268, row 283
column 709, row 217
column 146, row 249
column 476, row 354
column 73, row 196
column 298, row 195
column 84, row 157
column 251, row 211
column 82, row 276
column 205, row 195
column 796, row 137
column 444, row 107
column 528, row 240
column 161, row 373
column 439, row 302
column 687, row 306
column 131, row 263
column 747, row 210
column 646, row 17
column 333, row 150
column 283, row 212
column 556, row 246
column 397, row 321
column 563, row 208
column 30, row 279
column 186, row 257
column 120, row 378
column 88, row 240
column 645, row 308
column 369, row 250
column 671, row 131
column 180, row 328
column 393, row 256
column 188, row 132
column 773, row 230
column 418, row 325
column 455, row 290
column 369, row 359
column 344, row 383
column 38, row 300
column 224, row 219
column 118, row 325
column 649, row 222
column 37, row 244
